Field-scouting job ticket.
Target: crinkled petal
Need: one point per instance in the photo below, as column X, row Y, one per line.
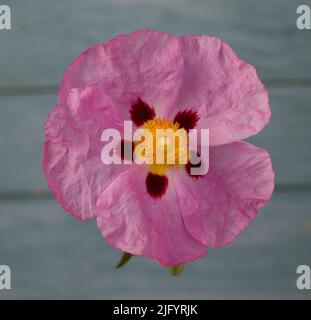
column 173, row 74
column 227, row 93
column 132, row 221
column 72, row 152
column 217, row 207
column 144, row 64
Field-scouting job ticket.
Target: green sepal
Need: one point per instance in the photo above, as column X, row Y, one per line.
column 124, row 260
column 177, row 270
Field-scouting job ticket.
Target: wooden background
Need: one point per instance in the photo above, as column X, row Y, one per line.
column 54, row 256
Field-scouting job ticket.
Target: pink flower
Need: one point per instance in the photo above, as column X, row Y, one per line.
column 196, row 81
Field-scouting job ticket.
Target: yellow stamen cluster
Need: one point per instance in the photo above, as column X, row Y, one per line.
column 163, row 145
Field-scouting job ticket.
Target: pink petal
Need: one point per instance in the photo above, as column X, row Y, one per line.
column 230, row 98
column 132, row 221
column 219, row 206
column 174, row 74
column 143, row 64
column 72, row 151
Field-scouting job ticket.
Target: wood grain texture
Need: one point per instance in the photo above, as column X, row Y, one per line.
column 54, row 256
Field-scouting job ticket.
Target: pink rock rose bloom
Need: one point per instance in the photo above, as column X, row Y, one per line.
column 195, row 81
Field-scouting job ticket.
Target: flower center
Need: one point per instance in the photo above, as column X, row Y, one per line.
column 163, row 145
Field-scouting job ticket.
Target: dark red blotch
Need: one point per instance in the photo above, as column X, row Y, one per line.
column 156, row 185
column 187, row 119
column 141, row 112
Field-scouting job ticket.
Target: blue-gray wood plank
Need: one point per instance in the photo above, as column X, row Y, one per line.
column 46, row 35
column 54, row 256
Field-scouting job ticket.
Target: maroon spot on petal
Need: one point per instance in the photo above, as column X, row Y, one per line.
column 187, row 119
column 188, row 167
column 126, row 151
column 156, row 185
column 141, row 112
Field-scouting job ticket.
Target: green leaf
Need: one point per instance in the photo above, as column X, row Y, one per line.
column 177, row 270
column 124, row 259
